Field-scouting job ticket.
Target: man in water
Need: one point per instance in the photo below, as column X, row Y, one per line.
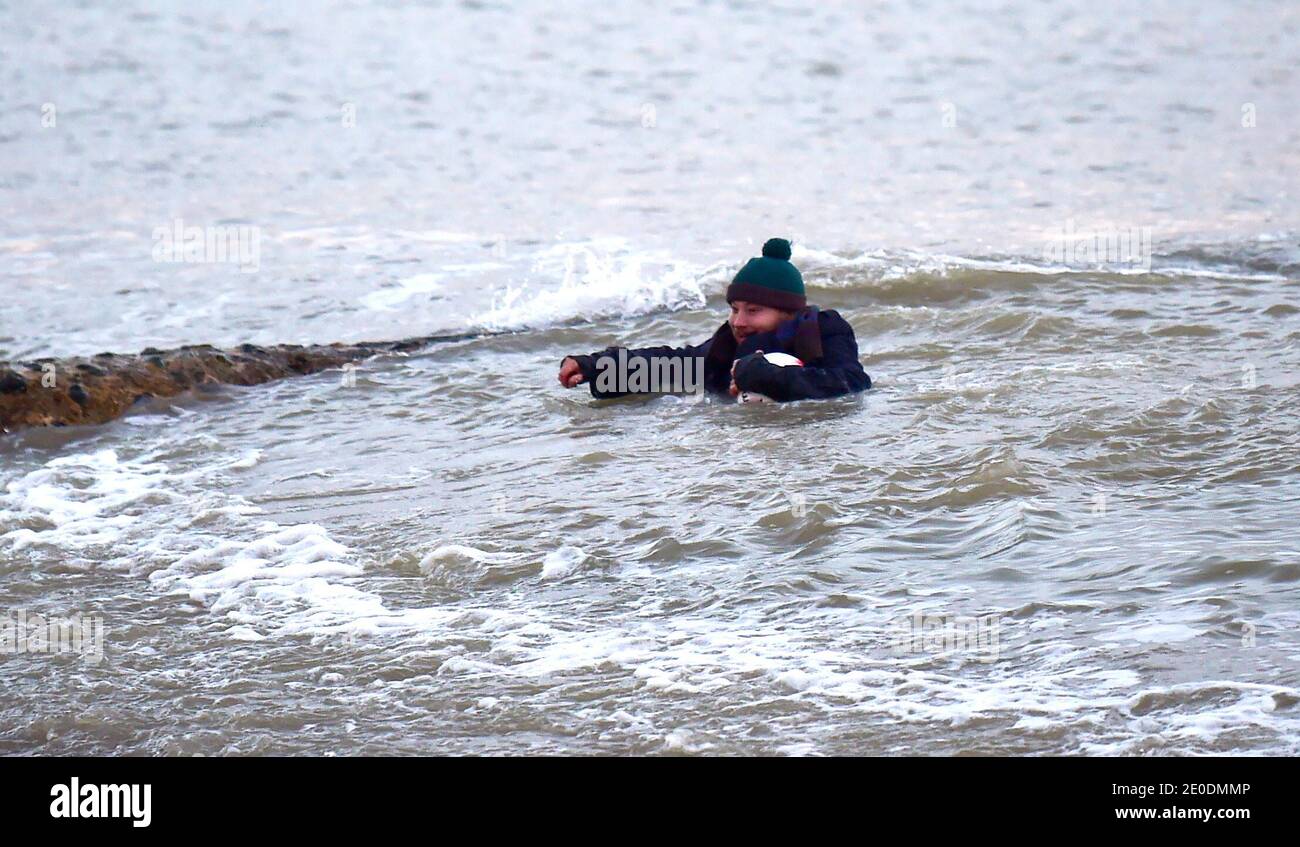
column 769, row 313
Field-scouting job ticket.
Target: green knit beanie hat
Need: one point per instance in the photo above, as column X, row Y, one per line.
column 770, row 280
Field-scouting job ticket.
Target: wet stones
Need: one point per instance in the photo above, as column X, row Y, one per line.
column 12, row 383
column 93, row 390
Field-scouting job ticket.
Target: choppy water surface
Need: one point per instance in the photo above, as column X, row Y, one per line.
column 455, row 555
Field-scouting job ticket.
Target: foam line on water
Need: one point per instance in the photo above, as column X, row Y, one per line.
column 265, row 581
column 887, row 265
column 79, row 501
column 594, row 279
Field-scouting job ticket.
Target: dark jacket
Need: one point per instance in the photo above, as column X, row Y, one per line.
column 822, row 339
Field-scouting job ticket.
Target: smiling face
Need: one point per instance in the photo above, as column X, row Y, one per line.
column 748, row 318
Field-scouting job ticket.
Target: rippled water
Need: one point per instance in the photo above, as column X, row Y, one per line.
column 455, row 555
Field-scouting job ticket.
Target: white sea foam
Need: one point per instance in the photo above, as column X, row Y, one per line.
column 562, row 562
column 81, row 500
column 249, row 460
column 1195, row 715
column 267, row 581
column 256, row 583
column 887, row 265
column 601, row 278
column 459, row 552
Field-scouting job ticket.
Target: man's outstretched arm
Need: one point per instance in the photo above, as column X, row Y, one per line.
column 576, row 370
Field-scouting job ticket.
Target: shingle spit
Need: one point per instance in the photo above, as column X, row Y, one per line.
column 100, row 388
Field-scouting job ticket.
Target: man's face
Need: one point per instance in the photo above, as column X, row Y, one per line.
column 749, row 318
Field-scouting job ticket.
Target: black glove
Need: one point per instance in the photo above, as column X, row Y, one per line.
column 586, row 364
column 752, row 371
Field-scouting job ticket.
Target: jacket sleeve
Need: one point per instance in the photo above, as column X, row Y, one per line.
column 838, row 372
column 591, row 368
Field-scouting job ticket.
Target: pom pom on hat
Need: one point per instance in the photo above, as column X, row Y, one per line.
column 777, row 248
